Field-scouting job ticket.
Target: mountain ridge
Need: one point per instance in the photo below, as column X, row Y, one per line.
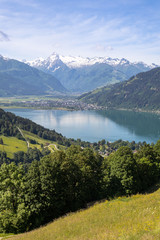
column 79, row 74
column 76, row 62
column 139, row 92
column 18, row 78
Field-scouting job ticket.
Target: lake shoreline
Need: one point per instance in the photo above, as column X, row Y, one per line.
column 93, row 126
column 138, row 110
column 69, row 109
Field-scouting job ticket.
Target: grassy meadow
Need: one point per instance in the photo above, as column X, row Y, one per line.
column 39, row 141
column 13, row 144
column 132, row 218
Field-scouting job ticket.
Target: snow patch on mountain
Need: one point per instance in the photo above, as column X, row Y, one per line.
column 56, row 69
column 77, row 62
column 37, row 62
column 4, row 58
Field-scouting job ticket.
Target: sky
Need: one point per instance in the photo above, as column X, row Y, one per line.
column 113, row 28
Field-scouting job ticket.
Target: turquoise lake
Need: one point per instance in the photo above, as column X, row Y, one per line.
column 93, row 126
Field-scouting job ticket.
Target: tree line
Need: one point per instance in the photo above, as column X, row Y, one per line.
column 54, row 184
column 9, row 123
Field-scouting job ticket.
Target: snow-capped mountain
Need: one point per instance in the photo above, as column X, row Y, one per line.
column 80, row 74
column 3, row 58
column 77, row 62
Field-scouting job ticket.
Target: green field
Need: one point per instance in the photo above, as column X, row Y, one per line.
column 132, row 218
column 40, row 141
column 13, row 144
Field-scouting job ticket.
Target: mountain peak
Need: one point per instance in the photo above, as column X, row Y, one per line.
column 79, row 74
column 4, row 58
column 54, row 55
column 79, row 61
column 53, row 58
column 37, row 62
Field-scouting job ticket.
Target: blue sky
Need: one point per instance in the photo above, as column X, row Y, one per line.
column 115, row 28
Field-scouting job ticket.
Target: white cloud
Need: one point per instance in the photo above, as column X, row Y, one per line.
column 93, row 28
column 100, row 47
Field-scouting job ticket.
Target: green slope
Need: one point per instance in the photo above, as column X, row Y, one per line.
column 132, row 218
column 141, row 91
column 12, row 145
column 68, row 180
column 9, row 124
column 89, row 77
column 17, row 78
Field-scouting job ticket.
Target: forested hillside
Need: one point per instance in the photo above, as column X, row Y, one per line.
column 9, row 123
column 139, row 92
column 38, row 186
column 64, row 181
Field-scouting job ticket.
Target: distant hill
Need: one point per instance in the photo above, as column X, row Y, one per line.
column 17, row 78
column 79, row 74
column 139, row 92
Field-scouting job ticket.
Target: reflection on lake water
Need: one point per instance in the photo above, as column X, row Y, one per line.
column 93, row 126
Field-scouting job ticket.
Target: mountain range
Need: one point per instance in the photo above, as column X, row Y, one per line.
column 79, row 74
column 139, row 92
column 17, row 78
